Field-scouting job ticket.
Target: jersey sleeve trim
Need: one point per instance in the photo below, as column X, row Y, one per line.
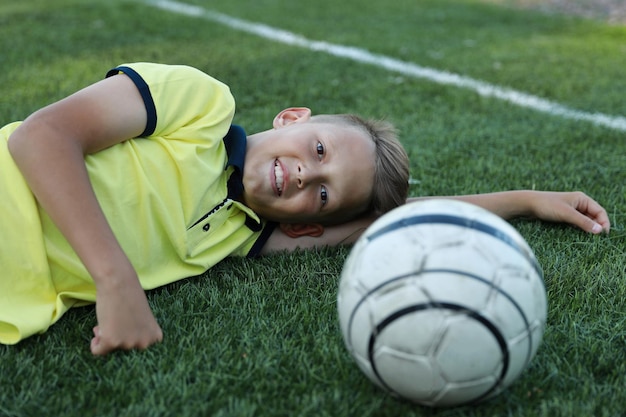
column 144, row 90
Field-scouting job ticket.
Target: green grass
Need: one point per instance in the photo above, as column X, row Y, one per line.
column 261, row 337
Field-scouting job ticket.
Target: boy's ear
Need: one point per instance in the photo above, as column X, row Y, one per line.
column 291, row 115
column 294, row 230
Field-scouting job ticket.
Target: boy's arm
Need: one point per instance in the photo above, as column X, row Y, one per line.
column 575, row 208
column 50, row 149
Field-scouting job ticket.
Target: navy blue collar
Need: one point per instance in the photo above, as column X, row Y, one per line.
column 235, row 142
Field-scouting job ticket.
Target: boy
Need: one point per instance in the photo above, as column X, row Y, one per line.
column 95, row 216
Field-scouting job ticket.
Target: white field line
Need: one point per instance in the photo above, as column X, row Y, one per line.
column 482, row 88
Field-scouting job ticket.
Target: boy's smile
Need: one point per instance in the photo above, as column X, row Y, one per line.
column 308, row 171
column 279, row 177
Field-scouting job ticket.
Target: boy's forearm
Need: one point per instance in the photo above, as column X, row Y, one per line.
column 49, row 148
column 506, row 204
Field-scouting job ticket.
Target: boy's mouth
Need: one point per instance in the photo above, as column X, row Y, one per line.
column 278, row 174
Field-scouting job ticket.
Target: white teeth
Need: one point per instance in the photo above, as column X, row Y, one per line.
column 278, row 172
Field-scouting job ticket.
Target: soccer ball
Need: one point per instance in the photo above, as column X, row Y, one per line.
column 442, row 303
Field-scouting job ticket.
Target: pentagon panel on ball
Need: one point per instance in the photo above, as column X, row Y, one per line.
column 442, row 303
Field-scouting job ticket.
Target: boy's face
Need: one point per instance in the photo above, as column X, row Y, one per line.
column 309, row 172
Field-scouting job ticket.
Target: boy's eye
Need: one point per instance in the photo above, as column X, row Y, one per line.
column 320, row 149
column 324, row 195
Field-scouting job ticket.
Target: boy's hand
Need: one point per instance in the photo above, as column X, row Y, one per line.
column 125, row 320
column 575, row 208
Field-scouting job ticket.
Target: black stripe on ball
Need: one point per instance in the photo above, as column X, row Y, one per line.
column 417, row 275
column 462, row 222
column 447, row 306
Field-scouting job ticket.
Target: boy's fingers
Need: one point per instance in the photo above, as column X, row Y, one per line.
column 95, row 340
column 97, row 347
column 583, row 221
column 596, row 217
column 601, row 218
column 100, row 346
column 593, row 227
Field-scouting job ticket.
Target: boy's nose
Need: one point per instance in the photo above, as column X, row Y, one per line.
column 307, row 176
column 299, row 181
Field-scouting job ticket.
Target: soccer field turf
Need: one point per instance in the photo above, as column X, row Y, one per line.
column 487, row 97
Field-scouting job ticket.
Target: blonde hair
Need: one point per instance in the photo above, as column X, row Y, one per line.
column 391, row 169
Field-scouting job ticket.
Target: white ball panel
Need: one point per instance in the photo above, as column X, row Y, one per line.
column 468, row 351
